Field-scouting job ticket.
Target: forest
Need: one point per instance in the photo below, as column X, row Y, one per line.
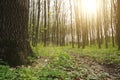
column 59, row 39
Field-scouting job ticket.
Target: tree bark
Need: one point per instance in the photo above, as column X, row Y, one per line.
column 71, row 25
column 45, row 25
column 14, row 42
column 118, row 24
column 38, row 22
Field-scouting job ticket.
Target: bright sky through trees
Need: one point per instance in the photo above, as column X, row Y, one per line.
column 89, row 6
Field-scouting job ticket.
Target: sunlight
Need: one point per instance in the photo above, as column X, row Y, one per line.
column 89, row 6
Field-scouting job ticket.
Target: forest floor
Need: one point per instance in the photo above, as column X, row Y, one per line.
column 108, row 72
column 65, row 63
column 83, row 66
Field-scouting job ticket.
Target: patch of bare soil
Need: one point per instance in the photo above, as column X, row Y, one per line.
column 41, row 62
column 114, row 72
column 111, row 73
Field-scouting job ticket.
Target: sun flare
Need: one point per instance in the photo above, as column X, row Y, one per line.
column 89, row 6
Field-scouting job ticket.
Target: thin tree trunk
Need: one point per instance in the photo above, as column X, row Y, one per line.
column 71, row 25
column 38, row 22
column 118, row 24
column 45, row 26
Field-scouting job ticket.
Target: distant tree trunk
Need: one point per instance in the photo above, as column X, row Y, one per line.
column 105, row 24
column 33, row 23
column 101, row 31
column 112, row 28
column 14, row 44
column 38, row 22
column 57, row 26
column 42, row 24
column 118, row 24
column 98, row 30
column 45, row 25
column 48, row 30
column 72, row 37
column 63, row 30
column 77, row 20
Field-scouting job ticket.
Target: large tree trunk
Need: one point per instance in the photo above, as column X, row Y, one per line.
column 14, row 44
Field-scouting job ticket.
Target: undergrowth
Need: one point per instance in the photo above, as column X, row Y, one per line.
column 61, row 66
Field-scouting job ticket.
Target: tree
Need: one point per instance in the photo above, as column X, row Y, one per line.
column 77, row 20
column 38, row 22
column 72, row 36
column 118, row 24
column 33, row 23
column 45, row 25
column 14, row 42
column 57, row 26
column 112, row 27
column 48, row 30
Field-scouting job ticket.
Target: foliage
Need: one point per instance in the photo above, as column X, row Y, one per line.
column 103, row 56
column 61, row 66
column 7, row 73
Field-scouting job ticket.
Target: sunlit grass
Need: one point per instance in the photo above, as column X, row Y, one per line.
column 103, row 55
column 61, row 61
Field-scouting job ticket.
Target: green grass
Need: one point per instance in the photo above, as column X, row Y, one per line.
column 103, row 56
column 61, row 66
column 107, row 57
